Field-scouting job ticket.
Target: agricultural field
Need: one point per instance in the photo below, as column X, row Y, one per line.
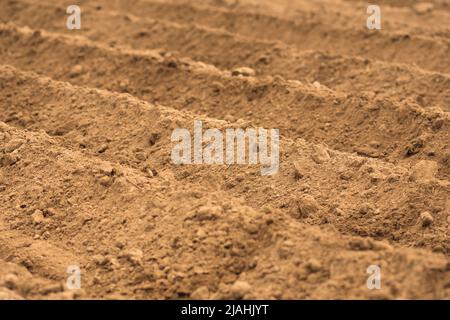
column 359, row 152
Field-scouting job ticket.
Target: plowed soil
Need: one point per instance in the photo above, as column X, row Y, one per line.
column 86, row 176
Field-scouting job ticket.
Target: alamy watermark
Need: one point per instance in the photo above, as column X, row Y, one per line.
column 74, row 20
column 74, row 279
column 243, row 147
column 374, row 20
column 374, row 280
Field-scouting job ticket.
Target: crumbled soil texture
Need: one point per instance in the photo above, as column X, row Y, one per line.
column 87, row 180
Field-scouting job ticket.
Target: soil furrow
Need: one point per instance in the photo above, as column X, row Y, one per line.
column 378, row 79
column 145, row 33
column 417, row 18
column 359, row 196
column 408, row 134
column 244, row 246
column 425, row 52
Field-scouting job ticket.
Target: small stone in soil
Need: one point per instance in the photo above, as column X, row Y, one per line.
column 426, row 219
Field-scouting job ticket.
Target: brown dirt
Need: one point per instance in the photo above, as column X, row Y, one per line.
column 86, row 176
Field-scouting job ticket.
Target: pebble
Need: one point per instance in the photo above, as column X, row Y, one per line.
column 286, row 249
column 153, row 138
column 100, row 260
column 366, row 208
column 299, row 171
column 119, row 244
column 201, row 234
column 105, row 181
column 150, row 172
column 123, row 85
column 313, row 265
column 306, row 206
column 374, row 144
column 75, row 71
column 38, row 217
column 217, row 87
column 106, row 169
column 339, row 212
column 320, row 154
column 239, row 289
column 244, row 71
column 426, row 219
column 264, row 60
column 317, row 84
column 140, row 156
column 52, row 212
column 346, row 176
column 414, row 147
column 102, row 148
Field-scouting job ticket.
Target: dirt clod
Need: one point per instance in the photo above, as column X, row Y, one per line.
column 38, row 217
column 239, row 289
column 244, row 71
column 424, row 170
column 320, row 154
column 426, row 219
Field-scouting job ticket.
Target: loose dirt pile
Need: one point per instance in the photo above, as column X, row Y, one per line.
column 87, row 180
